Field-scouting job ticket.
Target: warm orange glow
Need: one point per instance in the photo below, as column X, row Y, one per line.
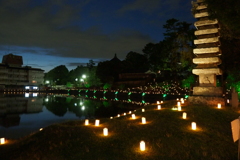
column 159, row 107
column 86, row 122
column 219, row 106
column 178, row 103
column 184, row 115
column 158, row 102
column 143, row 110
column 143, row 120
column 179, row 108
column 133, row 116
column 194, row 126
column 2, row 140
column 97, row 121
column 105, row 132
column 142, row 146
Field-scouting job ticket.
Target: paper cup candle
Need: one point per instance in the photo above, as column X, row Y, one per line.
column 143, row 120
column 105, row 131
column 194, row 126
column 97, row 122
column 86, row 122
column 142, row 146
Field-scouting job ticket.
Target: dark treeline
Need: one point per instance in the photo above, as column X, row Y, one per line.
column 169, row 59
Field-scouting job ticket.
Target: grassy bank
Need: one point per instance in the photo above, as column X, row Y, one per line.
column 166, row 134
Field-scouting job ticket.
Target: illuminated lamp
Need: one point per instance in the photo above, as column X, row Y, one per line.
column 118, row 115
column 97, row 122
column 142, row 146
column 194, row 126
column 179, row 108
column 219, row 105
column 40, row 129
column 178, row 104
column 130, row 112
column 143, row 110
column 86, row 122
column 105, row 131
column 161, row 101
column 133, row 116
column 159, row 107
column 111, row 117
column 184, row 115
column 158, row 102
column 2, row 140
column 143, row 120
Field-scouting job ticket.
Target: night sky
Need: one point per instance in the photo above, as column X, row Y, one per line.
column 48, row 33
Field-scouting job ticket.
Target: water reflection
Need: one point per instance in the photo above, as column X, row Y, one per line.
column 23, row 114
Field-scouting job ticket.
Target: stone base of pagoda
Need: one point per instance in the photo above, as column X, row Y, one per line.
column 207, row 91
column 206, row 100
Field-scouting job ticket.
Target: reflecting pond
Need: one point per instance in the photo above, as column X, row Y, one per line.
column 23, row 114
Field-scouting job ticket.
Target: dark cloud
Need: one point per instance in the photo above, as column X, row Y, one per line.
column 84, row 28
column 49, row 25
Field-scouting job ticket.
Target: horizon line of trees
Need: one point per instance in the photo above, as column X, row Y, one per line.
column 172, row 57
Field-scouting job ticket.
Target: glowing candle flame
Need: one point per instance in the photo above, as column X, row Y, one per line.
column 194, row 126
column 159, row 107
column 184, row 115
column 133, row 116
column 105, row 131
column 97, row 122
column 143, row 120
column 142, row 146
column 2, row 140
column 86, row 122
column 219, row 105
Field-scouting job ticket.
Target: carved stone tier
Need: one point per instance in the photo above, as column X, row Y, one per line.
column 207, row 100
column 199, row 71
column 205, row 22
column 206, row 50
column 201, row 15
column 207, row 60
column 200, row 1
column 201, row 7
column 206, row 31
column 207, row 40
column 207, row 91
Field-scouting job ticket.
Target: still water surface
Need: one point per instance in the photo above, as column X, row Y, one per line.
column 23, row 114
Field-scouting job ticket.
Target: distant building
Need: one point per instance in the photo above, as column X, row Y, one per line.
column 14, row 75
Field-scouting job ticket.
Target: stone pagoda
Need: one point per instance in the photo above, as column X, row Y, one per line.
column 207, row 58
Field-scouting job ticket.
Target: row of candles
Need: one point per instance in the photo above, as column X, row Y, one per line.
column 133, row 116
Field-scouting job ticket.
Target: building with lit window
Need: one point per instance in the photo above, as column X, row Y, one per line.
column 14, row 75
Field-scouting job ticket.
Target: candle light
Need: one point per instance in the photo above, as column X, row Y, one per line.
column 86, row 122
column 184, row 115
column 142, row 146
column 194, row 126
column 105, row 131
column 159, row 107
column 118, row 115
column 161, row 101
column 158, row 102
column 179, row 108
column 133, row 116
column 219, row 105
column 2, row 140
column 130, row 112
column 228, row 101
column 178, row 104
column 143, row 110
column 97, row 122
column 143, row 120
